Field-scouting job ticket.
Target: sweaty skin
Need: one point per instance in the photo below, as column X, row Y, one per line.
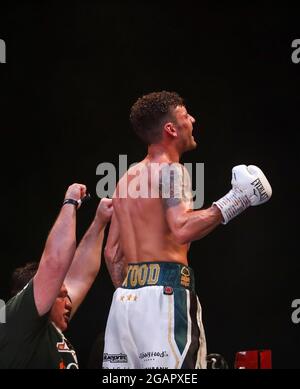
column 144, row 230
column 153, row 218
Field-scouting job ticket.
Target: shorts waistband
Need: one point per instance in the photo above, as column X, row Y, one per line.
column 171, row 274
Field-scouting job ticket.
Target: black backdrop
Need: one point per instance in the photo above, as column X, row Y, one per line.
column 73, row 71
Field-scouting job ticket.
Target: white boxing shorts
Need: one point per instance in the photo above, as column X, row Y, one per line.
column 155, row 320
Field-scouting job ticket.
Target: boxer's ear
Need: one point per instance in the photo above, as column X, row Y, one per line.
column 170, row 129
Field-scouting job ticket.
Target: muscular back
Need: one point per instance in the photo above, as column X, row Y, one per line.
column 140, row 210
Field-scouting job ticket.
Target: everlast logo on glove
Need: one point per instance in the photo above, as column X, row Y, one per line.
column 246, row 182
column 261, row 190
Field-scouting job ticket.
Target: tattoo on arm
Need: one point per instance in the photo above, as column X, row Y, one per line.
column 116, row 266
column 174, row 185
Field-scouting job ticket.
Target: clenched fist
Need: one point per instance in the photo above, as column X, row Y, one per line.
column 105, row 210
column 249, row 187
column 76, row 192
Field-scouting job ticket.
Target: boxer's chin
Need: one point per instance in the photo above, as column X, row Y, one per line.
column 192, row 144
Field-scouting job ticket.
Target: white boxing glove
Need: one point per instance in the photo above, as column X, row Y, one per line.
column 249, row 187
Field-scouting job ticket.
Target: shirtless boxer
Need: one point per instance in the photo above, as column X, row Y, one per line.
column 155, row 316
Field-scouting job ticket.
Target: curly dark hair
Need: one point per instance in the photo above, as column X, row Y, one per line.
column 149, row 112
column 21, row 276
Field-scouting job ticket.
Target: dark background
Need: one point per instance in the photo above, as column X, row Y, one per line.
column 72, row 73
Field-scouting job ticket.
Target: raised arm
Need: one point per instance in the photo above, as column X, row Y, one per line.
column 186, row 225
column 114, row 258
column 87, row 259
column 58, row 253
column 249, row 187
